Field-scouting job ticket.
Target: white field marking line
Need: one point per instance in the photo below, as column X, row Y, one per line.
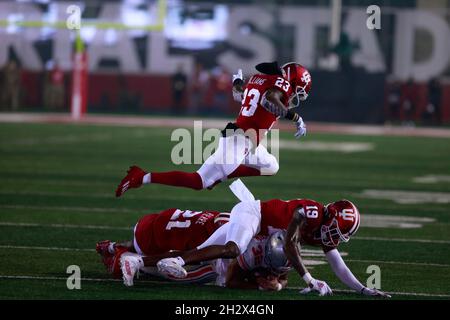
column 45, row 248
column 170, row 122
column 86, row 209
column 312, row 252
column 415, row 294
column 419, row 294
column 59, row 139
column 392, row 221
column 58, row 182
column 147, row 196
column 344, row 147
column 56, row 225
column 406, row 197
column 432, row 178
column 402, row 240
column 420, row 264
column 348, row 260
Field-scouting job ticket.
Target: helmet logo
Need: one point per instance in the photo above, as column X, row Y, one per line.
column 347, row 214
column 306, row 77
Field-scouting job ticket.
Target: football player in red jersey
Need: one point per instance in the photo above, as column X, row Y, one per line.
column 265, row 98
column 306, row 221
column 262, row 266
column 157, row 234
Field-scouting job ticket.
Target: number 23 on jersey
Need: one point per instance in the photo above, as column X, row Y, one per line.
column 252, row 97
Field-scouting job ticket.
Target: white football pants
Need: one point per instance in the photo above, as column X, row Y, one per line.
column 231, row 152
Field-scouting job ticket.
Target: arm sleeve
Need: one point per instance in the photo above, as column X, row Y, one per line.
column 342, row 271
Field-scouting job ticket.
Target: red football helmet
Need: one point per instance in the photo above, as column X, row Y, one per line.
column 341, row 222
column 300, row 80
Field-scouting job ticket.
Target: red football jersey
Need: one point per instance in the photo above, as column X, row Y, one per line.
column 278, row 213
column 252, row 114
column 176, row 229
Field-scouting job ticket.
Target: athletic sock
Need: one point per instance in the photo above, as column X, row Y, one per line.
column 146, row 179
column 244, row 171
column 178, row 179
column 111, row 247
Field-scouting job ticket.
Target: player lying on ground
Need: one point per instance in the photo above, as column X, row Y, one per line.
column 264, row 99
column 306, row 221
column 155, row 235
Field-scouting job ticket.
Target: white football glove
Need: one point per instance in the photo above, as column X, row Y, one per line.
column 238, row 76
column 319, row 286
column 301, row 128
column 374, row 292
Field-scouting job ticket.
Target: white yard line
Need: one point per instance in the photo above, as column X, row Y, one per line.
column 406, row 196
column 148, row 196
column 402, row 240
column 45, row 248
column 83, row 209
column 343, row 147
column 23, row 277
column 57, row 225
column 103, row 227
column 420, row 264
column 308, row 254
column 173, row 122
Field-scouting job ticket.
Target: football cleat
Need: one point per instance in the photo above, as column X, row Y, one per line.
column 171, row 267
column 129, row 264
column 132, row 180
column 102, row 249
column 114, row 267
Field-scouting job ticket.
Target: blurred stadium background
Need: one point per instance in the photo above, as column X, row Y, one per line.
column 171, row 56
column 136, row 63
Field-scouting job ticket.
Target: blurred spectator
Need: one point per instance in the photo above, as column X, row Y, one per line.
column 128, row 101
column 409, row 98
column 344, row 49
column 199, row 86
column 179, row 83
column 222, row 81
column 433, row 108
column 10, row 86
column 55, row 91
column 393, row 101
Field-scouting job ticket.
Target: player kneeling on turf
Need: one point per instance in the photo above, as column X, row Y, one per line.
column 263, row 266
column 307, row 222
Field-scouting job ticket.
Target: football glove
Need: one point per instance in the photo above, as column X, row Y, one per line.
column 237, row 76
column 374, row 292
column 301, row 128
column 319, row 286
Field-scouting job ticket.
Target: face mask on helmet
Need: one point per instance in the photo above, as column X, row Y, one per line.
column 331, row 234
column 300, row 79
column 299, row 95
column 274, row 256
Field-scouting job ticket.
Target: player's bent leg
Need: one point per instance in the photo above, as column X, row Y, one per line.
column 173, row 267
column 262, row 160
column 191, row 180
column 244, row 223
column 245, row 171
column 214, row 247
column 230, row 154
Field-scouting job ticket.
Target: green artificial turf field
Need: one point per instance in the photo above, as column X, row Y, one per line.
column 57, row 200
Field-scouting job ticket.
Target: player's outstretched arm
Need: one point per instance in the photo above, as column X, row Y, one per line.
column 346, row 276
column 292, row 251
column 271, row 101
